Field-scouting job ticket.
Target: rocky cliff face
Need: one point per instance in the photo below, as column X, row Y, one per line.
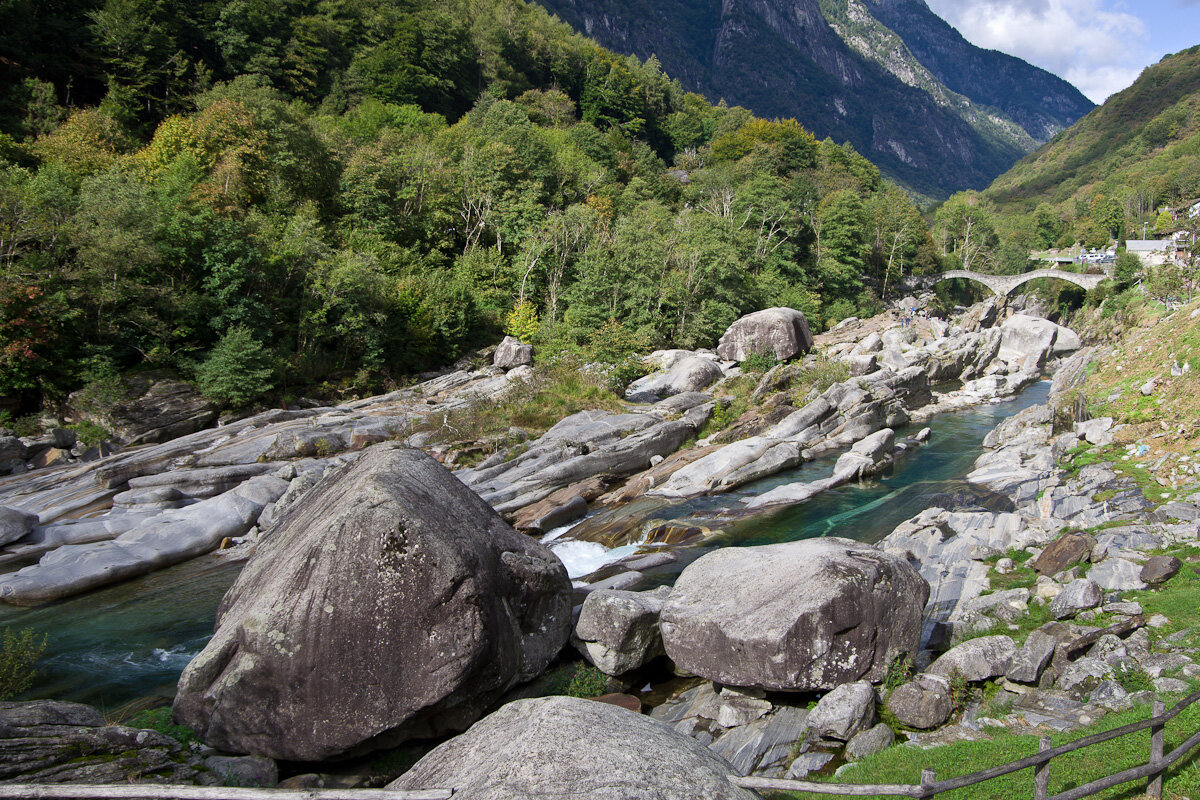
column 934, row 112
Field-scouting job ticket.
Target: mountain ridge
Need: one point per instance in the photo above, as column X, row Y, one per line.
column 799, row 60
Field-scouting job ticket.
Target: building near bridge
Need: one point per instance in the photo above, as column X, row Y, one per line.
column 1151, row 252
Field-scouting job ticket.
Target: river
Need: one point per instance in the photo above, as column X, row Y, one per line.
column 129, row 641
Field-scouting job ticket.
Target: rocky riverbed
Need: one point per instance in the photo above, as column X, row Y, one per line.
column 293, row 485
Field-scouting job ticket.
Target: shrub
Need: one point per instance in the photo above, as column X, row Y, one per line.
column 577, row 680
column 237, row 370
column 899, row 671
column 18, row 653
column 159, row 719
column 522, row 322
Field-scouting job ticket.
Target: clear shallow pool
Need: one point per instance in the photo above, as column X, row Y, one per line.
column 116, row 645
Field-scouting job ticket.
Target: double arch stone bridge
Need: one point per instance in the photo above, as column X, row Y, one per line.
column 1003, row 285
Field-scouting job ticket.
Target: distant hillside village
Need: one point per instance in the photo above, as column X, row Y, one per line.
column 1176, row 236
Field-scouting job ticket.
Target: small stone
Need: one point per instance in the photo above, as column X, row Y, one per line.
column 976, row 659
column 741, row 707
column 843, row 712
column 1004, row 566
column 922, row 703
column 869, row 742
column 1170, row 686
column 1160, row 569
column 244, row 770
column 1127, row 609
column 806, row 763
column 1077, row 596
column 1158, row 621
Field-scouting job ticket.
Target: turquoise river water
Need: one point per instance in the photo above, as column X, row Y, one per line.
column 130, row 641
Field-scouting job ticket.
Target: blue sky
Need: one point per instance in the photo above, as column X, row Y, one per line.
column 1101, row 46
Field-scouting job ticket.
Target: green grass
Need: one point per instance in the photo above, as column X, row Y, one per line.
column 534, row 405
column 159, row 719
column 578, row 679
column 903, row 764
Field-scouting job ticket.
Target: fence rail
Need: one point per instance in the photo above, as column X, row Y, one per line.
column 151, row 791
column 1039, row 762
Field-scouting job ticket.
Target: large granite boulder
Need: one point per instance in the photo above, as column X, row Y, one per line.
column 389, row 603
column 781, row 332
column 511, row 354
column 568, row 747
column 12, row 455
column 1027, row 342
column 799, row 616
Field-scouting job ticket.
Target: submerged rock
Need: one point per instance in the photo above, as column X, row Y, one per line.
column 803, row 615
column 568, row 747
column 389, row 603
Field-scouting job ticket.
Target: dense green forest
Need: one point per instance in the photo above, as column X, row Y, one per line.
column 1108, row 177
column 339, row 193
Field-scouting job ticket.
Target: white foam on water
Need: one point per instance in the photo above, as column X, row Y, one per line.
column 584, row 558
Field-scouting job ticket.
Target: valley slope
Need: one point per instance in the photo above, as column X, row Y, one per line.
column 888, row 76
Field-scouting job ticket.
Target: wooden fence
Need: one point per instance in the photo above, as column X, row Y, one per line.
column 930, row 786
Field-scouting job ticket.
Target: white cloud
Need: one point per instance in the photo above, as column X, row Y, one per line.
column 1097, row 48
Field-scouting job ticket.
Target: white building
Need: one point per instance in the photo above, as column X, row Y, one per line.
column 1152, row 252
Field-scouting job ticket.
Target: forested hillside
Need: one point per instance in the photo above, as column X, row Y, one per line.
column 1108, row 176
column 905, row 89
column 348, row 192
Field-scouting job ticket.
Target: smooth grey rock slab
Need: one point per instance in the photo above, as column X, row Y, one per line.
column 564, row 747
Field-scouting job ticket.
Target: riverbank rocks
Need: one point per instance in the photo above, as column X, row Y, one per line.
column 54, row 742
column 15, row 524
column 510, row 354
column 781, row 332
column 568, row 747
column 976, row 659
column 156, row 408
column 843, row 713
column 799, row 616
column 923, row 703
column 618, row 631
column 389, row 603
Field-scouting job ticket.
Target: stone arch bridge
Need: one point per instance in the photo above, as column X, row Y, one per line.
column 1003, row 285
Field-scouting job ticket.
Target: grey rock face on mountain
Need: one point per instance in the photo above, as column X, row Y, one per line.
column 391, row 602
column 804, row 615
column 568, row 747
column 934, row 112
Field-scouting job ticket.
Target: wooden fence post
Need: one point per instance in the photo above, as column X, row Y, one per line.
column 1041, row 773
column 1154, row 789
column 928, row 776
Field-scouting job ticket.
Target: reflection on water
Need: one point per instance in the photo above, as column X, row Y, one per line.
column 115, row 645
column 127, row 641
